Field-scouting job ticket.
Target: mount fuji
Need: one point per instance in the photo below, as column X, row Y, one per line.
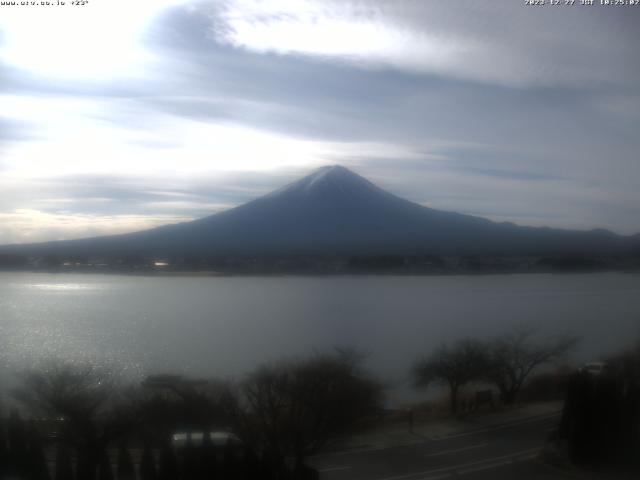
column 334, row 211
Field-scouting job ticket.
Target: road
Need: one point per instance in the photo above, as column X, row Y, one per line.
column 507, row 451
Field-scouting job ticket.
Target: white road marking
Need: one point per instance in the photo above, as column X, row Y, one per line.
column 516, row 456
column 358, row 450
column 495, row 465
column 333, row 469
column 444, row 452
column 497, row 427
column 438, row 439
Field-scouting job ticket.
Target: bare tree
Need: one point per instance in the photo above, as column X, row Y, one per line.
column 454, row 366
column 66, row 391
column 84, row 399
column 174, row 401
column 513, row 357
column 294, row 409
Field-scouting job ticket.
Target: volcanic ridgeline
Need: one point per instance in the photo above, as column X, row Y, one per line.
column 335, row 212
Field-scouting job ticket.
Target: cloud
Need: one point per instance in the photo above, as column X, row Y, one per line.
column 29, row 226
column 100, row 136
column 498, row 110
column 71, row 42
column 505, row 196
column 503, row 43
column 131, row 137
column 12, row 132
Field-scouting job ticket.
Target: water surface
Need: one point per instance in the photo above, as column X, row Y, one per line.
column 225, row 326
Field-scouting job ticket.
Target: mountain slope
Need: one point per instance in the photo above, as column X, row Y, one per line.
column 335, row 211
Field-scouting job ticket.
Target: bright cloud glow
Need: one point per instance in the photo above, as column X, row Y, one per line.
column 98, row 40
column 94, row 137
column 27, row 225
column 329, row 29
column 500, row 43
column 73, row 138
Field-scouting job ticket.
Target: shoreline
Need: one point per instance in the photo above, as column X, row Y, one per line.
column 215, row 273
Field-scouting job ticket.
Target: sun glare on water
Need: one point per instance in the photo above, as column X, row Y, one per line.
column 65, row 287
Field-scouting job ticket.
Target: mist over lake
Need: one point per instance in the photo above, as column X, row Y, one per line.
column 226, row 326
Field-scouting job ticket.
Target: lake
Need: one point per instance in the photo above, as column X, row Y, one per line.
column 226, row 326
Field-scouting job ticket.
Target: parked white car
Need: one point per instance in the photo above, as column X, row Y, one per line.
column 594, row 368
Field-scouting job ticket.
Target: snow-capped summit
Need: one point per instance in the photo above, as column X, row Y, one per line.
column 330, row 180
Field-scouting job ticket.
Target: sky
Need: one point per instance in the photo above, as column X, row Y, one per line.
column 120, row 115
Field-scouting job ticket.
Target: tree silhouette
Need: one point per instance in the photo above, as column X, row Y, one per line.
column 512, row 358
column 168, row 464
column 37, row 461
column 191, row 460
column 4, row 451
column 208, row 456
column 298, row 407
column 105, row 472
column 147, row 465
column 18, row 445
column 600, row 423
column 454, row 366
column 64, row 469
column 125, row 470
column 85, row 398
column 174, row 402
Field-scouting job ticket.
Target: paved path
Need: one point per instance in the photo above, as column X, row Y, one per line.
column 499, row 451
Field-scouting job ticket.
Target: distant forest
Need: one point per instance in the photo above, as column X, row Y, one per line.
column 309, row 264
